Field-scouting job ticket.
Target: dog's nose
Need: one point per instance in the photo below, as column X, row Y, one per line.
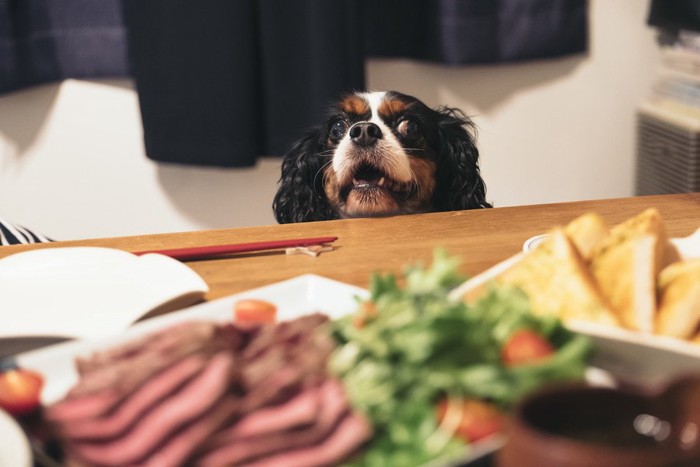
column 365, row 133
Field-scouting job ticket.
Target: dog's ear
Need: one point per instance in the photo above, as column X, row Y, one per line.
column 459, row 183
column 300, row 196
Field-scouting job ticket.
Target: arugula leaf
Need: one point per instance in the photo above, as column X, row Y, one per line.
column 417, row 346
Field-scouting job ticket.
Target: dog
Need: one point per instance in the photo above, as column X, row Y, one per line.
column 381, row 154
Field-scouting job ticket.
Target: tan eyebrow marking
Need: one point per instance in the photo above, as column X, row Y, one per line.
column 355, row 105
column 391, row 107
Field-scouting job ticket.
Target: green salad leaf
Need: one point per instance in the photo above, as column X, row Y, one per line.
column 413, row 345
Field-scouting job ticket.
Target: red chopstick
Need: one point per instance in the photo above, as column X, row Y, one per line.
column 204, row 252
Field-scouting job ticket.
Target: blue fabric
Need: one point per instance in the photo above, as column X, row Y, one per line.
column 8, row 58
column 462, row 32
column 47, row 40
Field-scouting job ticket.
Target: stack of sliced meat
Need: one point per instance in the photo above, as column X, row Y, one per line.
column 209, row 394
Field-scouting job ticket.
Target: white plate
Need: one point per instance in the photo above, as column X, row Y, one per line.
column 637, row 358
column 632, row 356
column 14, row 446
column 294, row 297
column 687, row 247
column 89, row 292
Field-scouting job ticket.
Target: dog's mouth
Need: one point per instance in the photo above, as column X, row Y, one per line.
column 371, row 191
column 368, row 178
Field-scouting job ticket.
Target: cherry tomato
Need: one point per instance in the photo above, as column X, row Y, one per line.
column 20, row 391
column 478, row 419
column 367, row 311
column 525, row 346
column 254, row 311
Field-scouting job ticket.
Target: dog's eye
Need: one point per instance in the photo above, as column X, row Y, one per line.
column 337, row 130
column 409, row 128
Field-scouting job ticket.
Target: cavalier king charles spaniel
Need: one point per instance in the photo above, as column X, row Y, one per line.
column 381, row 154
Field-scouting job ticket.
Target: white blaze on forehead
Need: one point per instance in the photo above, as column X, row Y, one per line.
column 389, row 145
column 374, row 99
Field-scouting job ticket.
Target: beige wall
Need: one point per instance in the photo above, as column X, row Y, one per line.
column 72, row 162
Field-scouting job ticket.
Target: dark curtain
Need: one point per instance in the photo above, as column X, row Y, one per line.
column 675, row 14
column 221, row 82
column 459, row 32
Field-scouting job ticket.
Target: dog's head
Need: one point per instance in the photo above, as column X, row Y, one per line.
column 381, row 154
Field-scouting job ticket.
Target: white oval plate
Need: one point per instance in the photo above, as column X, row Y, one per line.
column 293, row 298
column 15, row 450
column 88, row 292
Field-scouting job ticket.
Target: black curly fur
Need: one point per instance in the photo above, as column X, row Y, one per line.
column 459, row 183
column 301, row 197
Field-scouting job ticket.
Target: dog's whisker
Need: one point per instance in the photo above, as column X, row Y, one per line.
column 326, row 153
column 324, row 173
column 412, row 188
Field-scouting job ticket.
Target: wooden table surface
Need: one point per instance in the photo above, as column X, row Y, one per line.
column 480, row 237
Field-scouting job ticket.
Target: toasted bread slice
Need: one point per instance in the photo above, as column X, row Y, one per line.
column 625, row 275
column 679, row 303
column 558, row 283
column 625, row 265
column 586, row 231
column 648, row 222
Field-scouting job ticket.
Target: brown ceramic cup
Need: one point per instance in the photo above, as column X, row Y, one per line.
column 584, row 426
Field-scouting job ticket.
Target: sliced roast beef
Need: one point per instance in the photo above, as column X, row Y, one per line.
column 255, row 438
column 178, row 336
column 133, row 408
column 193, row 399
column 88, row 406
column 347, row 438
column 285, row 334
column 211, row 394
column 300, row 410
column 128, row 366
column 179, row 447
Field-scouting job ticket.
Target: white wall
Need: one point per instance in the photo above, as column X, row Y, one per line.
column 72, row 162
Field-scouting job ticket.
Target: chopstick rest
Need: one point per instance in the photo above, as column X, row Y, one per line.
column 310, row 250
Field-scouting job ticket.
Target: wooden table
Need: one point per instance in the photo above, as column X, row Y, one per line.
column 480, row 237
